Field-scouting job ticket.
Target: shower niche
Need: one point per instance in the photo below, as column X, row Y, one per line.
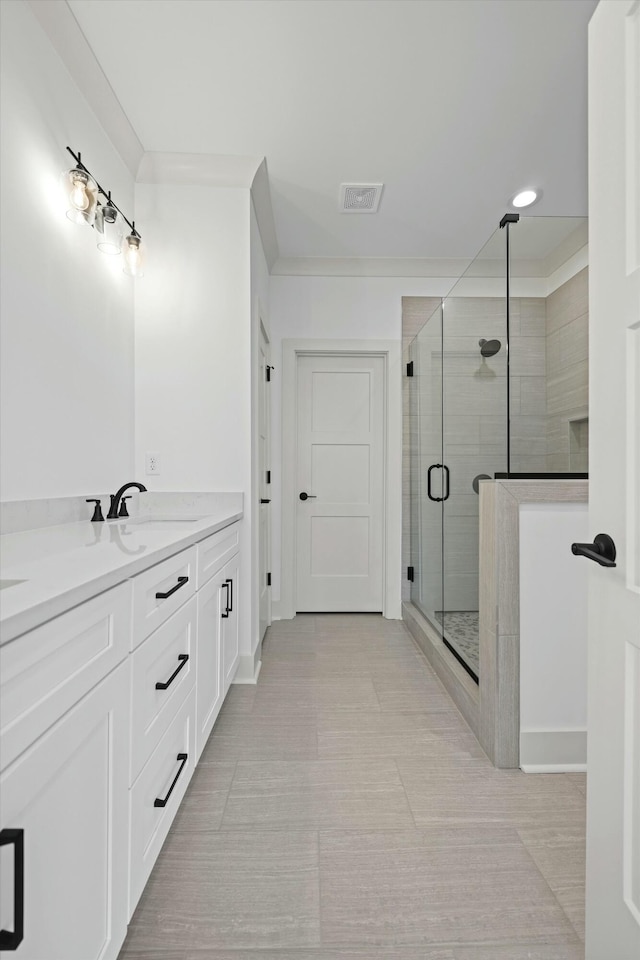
column 499, row 389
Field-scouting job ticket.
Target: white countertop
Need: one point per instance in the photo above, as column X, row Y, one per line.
column 67, row 564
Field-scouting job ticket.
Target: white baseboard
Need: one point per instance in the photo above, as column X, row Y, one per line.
column 278, row 612
column 553, row 751
column 554, row 768
column 248, row 670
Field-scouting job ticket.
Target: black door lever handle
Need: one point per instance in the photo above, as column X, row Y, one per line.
column 602, row 550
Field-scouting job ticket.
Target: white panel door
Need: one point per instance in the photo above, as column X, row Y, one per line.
column 264, row 467
column 613, row 792
column 340, row 469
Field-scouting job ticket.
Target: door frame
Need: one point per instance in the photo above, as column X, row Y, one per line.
column 391, row 352
column 264, row 334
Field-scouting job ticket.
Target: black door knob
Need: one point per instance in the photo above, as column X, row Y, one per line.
column 602, row 550
column 307, row 496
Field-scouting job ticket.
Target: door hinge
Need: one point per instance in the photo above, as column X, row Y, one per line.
column 268, row 579
column 268, row 476
column 410, row 574
column 268, row 370
column 410, row 368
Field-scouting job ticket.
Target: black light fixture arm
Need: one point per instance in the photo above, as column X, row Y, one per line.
column 105, row 193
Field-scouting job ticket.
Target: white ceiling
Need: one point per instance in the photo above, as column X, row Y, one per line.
column 453, row 104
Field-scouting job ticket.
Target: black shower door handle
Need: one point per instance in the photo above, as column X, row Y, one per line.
column 434, row 466
column 447, row 478
column 11, row 939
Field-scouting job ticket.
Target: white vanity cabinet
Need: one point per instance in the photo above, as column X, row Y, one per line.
column 218, row 653
column 230, row 637
column 104, row 711
column 66, row 792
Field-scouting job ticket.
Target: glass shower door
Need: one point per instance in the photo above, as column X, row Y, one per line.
column 426, row 474
column 474, row 438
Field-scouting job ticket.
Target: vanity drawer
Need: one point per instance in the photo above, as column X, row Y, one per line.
column 214, row 552
column 47, row 670
column 174, row 579
column 166, row 657
column 164, row 778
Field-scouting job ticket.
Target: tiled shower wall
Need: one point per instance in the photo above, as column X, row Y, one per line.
column 568, row 375
column 548, row 390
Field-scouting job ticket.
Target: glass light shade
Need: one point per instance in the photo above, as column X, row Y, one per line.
column 82, row 195
column 108, row 225
column 133, row 256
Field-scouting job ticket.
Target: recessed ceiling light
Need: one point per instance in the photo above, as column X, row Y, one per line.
column 525, row 198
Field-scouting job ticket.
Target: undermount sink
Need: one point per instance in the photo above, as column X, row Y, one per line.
column 134, row 521
column 10, row 583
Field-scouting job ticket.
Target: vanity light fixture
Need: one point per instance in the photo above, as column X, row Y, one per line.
column 133, row 253
column 108, row 225
column 526, row 197
column 83, row 196
column 82, row 193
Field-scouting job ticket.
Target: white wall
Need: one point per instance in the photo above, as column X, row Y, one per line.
column 67, row 310
column 317, row 308
column 260, row 297
column 193, row 347
column 553, row 636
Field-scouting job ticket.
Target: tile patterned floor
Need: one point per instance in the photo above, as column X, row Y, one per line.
column 342, row 810
column 462, row 630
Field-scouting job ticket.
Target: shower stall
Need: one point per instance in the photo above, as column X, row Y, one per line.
column 496, row 387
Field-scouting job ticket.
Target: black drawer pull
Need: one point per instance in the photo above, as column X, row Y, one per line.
column 230, row 582
column 262, row 500
column 11, row 939
column 162, row 801
column 227, row 608
column 183, row 657
column 181, row 582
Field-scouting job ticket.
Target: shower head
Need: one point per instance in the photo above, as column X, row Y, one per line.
column 489, row 348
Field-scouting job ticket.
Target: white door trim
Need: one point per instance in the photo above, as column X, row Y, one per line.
column 391, row 351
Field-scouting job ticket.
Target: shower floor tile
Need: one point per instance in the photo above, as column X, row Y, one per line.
column 462, row 630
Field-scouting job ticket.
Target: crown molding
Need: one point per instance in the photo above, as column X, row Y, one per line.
column 368, row 267
column 63, row 30
column 198, row 169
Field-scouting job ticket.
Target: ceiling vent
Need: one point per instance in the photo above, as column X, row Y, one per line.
column 360, row 197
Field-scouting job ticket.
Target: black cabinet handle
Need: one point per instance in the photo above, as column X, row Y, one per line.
column 162, row 685
column 162, row 801
column 307, row 496
column 448, row 481
column 230, row 582
column 264, row 501
column 11, row 939
column 181, row 582
column 602, row 550
column 434, row 466
column 225, row 586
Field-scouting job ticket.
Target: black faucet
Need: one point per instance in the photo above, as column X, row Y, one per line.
column 116, row 497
